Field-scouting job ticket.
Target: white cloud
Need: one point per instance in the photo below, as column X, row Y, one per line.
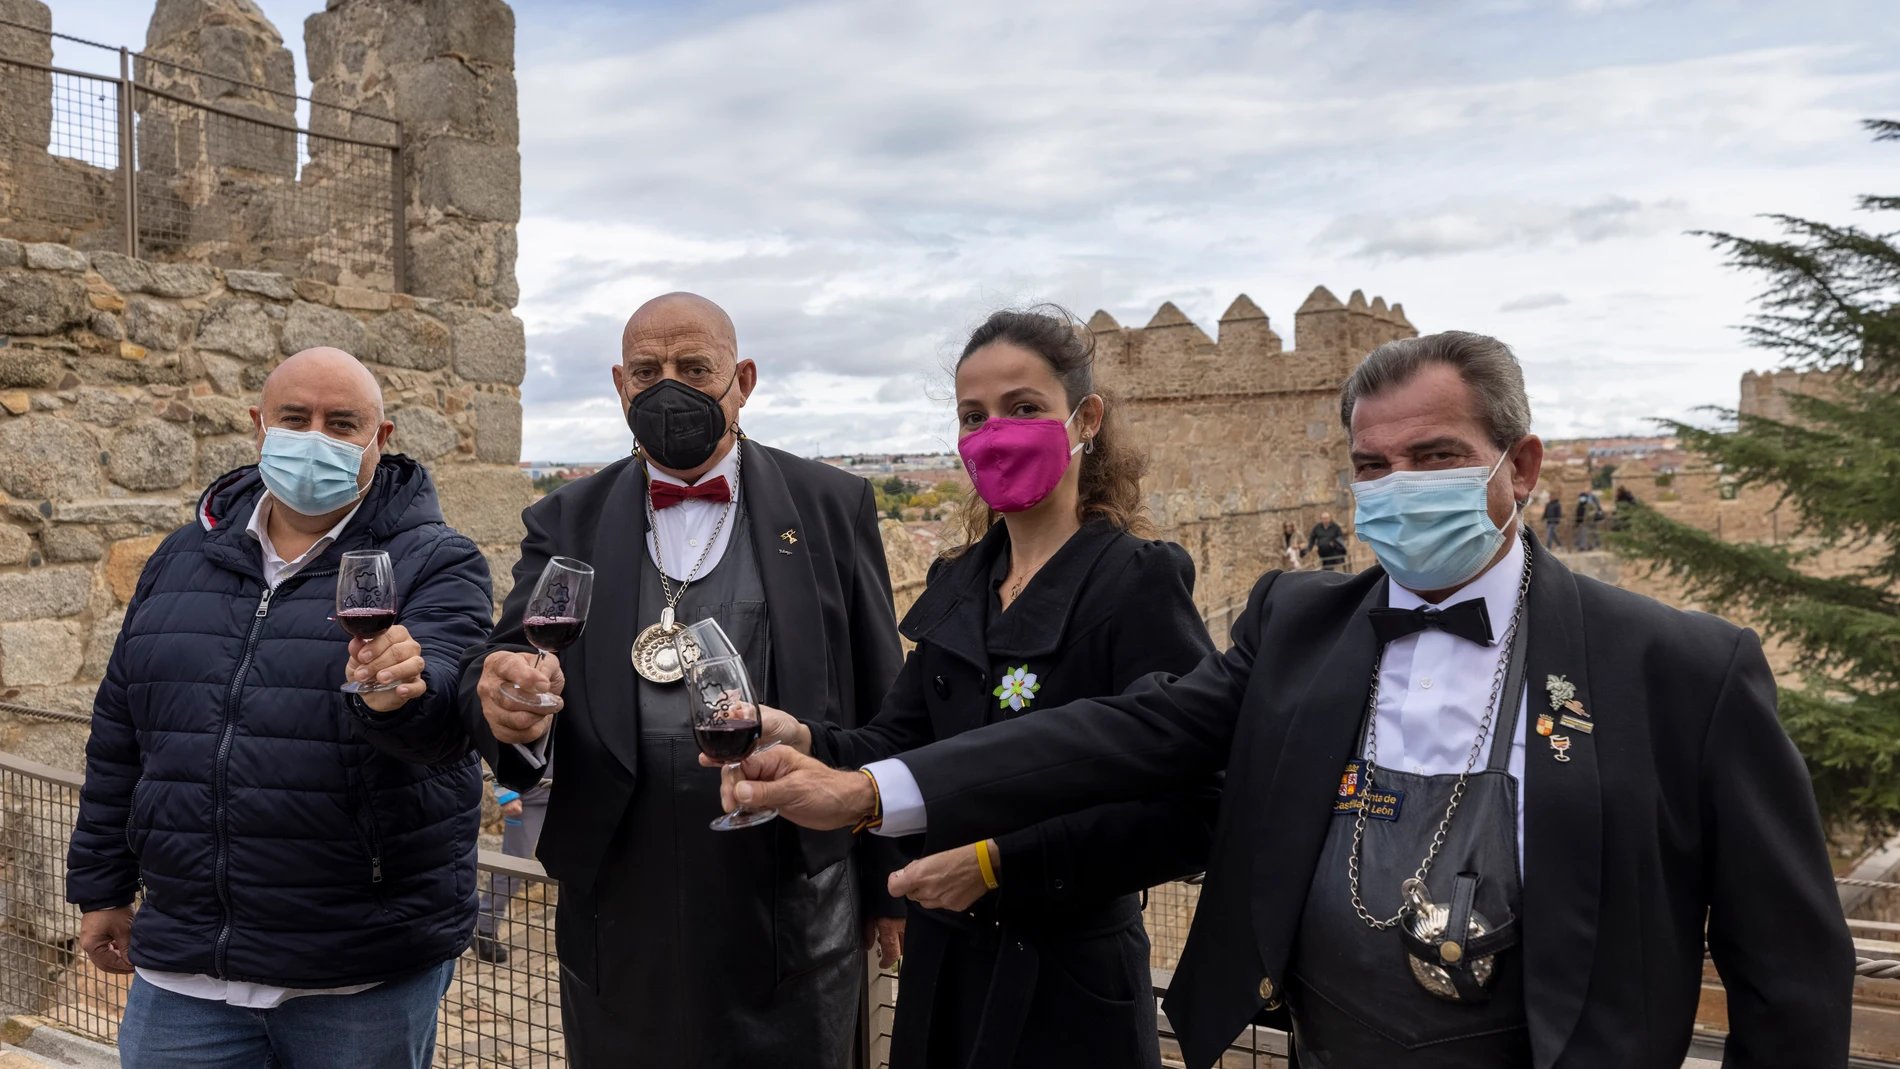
column 1531, row 302
column 860, row 181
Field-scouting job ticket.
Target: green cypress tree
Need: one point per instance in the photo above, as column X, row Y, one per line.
column 1832, row 304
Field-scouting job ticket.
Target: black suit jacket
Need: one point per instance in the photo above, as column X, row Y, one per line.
column 1687, row 805
column 834, row 636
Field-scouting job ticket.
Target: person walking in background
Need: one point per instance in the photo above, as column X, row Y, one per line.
column 1588, row 514
column 1028, row 950
column 522, row 814
column 1329, row 541
column 1290, row 545
column 1553, row 519
column 305, row 855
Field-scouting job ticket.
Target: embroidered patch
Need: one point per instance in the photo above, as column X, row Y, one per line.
column 1017, row 690
column 1380, row 803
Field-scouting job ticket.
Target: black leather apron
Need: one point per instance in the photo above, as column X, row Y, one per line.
column 1354, row 1000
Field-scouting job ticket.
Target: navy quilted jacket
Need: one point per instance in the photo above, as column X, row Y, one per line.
column 281, row 836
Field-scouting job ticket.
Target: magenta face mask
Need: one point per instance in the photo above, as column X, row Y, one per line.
column 1015, row 463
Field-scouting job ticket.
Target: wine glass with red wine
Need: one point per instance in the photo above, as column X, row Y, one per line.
column 725, row 724
column 366, row 604
column 554, row 619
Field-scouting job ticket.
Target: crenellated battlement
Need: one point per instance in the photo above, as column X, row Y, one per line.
column 1242, row 433
column 1172, row 357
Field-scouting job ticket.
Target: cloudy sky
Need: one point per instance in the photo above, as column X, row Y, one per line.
column 860, row 181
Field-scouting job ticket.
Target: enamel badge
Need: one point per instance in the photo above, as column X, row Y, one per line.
column 1560, row 747
column 1545, row 725
column 1561, row 690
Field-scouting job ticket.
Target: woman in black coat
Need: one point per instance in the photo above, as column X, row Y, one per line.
column 1028, row 949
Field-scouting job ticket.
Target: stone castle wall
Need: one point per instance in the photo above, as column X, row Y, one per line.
column 1242, row 434
column 126, row 384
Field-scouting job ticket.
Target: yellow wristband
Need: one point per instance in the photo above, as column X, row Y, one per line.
column 983, row 863
column 876, row 819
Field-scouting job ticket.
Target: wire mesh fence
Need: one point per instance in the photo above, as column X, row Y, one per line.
column 504, row 1006
column 168, row 162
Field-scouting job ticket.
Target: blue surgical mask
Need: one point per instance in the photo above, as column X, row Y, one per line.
column 1431, row 530
column 309, row 471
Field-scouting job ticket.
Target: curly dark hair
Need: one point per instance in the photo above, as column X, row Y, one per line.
column 1110, row 481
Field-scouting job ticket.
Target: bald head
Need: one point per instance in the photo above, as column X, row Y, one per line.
column 330, row 375
column 680, row 315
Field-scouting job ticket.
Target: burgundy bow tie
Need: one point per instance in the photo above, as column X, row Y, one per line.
column 666, row 495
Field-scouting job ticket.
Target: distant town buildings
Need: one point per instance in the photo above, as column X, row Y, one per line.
column 1661, row 454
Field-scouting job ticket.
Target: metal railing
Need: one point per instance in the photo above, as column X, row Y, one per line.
column 168, row 162
column 505, row 1011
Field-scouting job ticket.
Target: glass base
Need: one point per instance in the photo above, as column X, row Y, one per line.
column 368, row 688
column 744, row 818
column 531, row 699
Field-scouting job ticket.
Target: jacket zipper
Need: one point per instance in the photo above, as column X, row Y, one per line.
column 226, row 734
column 375, row 845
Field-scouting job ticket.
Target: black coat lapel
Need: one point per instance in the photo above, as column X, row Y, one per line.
column 1563, row 819
column 950, row 613
column 1033, row 627
column 799, row 656
column 1319, row 740
column 620, row 554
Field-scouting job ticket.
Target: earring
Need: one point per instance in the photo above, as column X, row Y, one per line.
column 1088, row 445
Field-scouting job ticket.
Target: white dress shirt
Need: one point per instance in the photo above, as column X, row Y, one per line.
column 1433, row 691
column 679, row 535
column 235, row 992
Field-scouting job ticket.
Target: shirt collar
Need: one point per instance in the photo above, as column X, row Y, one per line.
column 259, row 529
column 1498, row 587
column 728, row 466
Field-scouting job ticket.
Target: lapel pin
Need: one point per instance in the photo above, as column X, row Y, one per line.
column 1577, row 725
column 1561, row 690
column 1575, row 708
column 790, row 536
column 1559, row 744
column 1545, row 725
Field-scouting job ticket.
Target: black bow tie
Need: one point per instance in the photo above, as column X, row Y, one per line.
column 1467, row 620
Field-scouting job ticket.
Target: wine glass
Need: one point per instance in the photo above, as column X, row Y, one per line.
column 554, row 619
column 702, row 641
column 725, row 724
column 366, row 604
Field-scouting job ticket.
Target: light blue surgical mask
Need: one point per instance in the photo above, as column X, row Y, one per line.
column 309, row 471
column 1431, row 530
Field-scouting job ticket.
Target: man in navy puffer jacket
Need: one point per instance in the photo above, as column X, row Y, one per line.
column 307, row 858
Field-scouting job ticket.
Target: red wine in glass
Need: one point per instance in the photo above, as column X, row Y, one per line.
column 366, row 604
column 552, row 634
column 725, row 723
column 553, row 620
column 726, row 740
column 366, row 623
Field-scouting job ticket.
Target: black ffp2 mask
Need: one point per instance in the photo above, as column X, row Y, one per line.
column 675, row 425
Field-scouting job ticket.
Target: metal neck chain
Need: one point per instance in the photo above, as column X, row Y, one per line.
column 672, row 595
column 1471, row 760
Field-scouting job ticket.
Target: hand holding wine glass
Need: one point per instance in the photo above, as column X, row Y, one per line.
column 366, row 607
column 553, row 620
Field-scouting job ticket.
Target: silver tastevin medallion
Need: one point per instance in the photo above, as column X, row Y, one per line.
column 654, row 655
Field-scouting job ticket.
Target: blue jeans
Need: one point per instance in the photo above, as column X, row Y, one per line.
column 391, row 1026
